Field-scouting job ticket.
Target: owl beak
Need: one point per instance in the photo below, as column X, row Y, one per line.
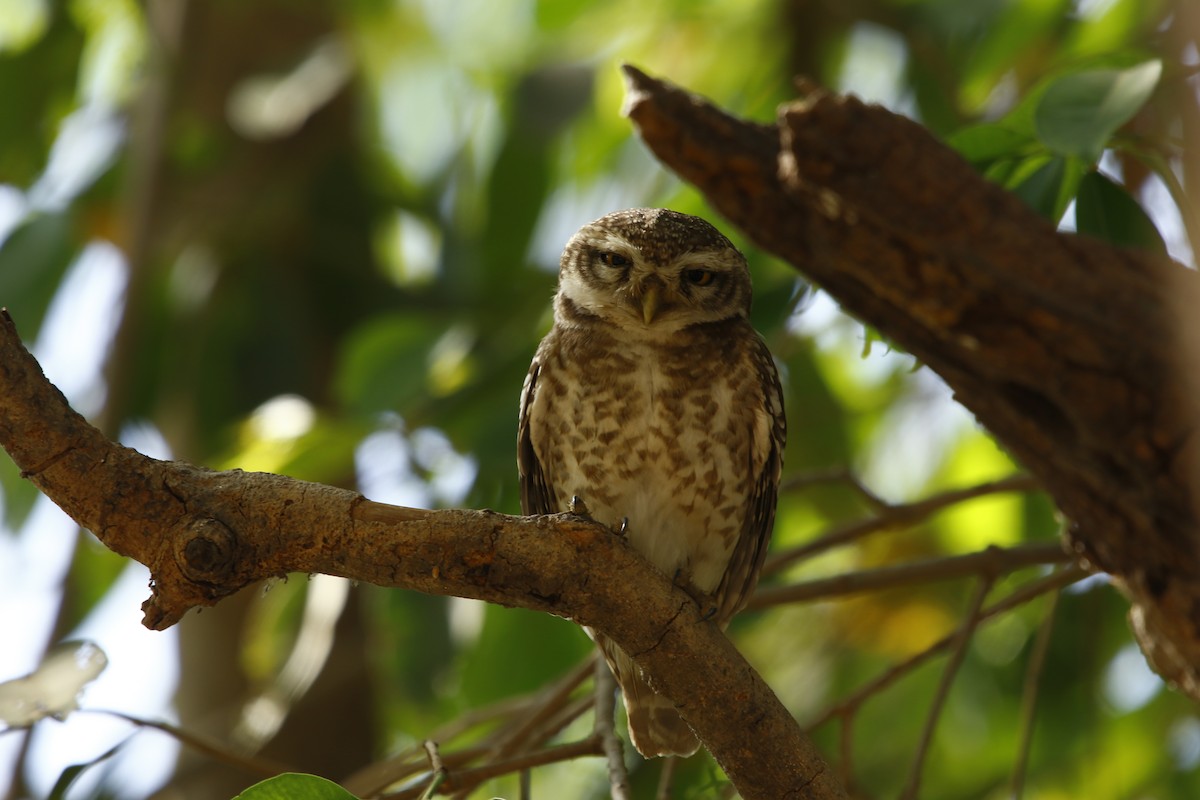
column 650, row 303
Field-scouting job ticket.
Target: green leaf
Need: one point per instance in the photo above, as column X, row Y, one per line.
column 1105, row 210
column 33, row 260
column 1040, row 188
column 295, row 786
column 1079, row 112
column 385, row 363
column 69, row 775
column 17, row 495
column 518, row 651
column 1007, row 32
column 989, row 141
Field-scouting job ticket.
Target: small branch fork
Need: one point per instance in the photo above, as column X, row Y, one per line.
column 1053, row 582
column 957, row 641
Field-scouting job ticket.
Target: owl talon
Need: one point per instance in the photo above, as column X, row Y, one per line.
column 703, row 600
column 624, row 527
column 578, row 507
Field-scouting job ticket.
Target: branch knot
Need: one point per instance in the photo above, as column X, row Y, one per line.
column 206, row 551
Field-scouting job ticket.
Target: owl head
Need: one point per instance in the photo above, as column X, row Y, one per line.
column 652, row 271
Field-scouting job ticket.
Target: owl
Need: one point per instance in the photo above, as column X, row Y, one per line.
column 654, row 401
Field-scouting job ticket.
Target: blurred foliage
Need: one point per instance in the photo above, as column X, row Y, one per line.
column 341, row 224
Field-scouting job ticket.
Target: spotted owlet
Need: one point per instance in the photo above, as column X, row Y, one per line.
column 654, row 401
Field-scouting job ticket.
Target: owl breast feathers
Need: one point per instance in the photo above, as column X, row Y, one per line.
column 654, row 400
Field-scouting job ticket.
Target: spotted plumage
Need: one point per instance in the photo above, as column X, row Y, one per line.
column 654, row 401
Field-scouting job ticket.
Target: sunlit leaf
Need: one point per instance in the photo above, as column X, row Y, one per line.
column 22, row 24
column 1013, row 29
column 989, row 141
column 295, row 786
column 1080, row 111
column 52, row 690
column 991, row 520
column 1109, row 25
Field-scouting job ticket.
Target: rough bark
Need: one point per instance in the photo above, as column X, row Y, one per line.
column 206, row 534
column 1076, row 355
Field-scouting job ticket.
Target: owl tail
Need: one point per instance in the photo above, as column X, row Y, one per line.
column 654, row 725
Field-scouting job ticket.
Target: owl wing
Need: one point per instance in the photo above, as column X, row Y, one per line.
column 536, row 494
column 769, row 434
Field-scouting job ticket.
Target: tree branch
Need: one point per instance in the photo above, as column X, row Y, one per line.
column 1029, row 696
column 912, row 788
column 893, row 517
column 1073, row 353
column 991, row 560
column 1050, row 583
column 605, row 692
column 206, row 534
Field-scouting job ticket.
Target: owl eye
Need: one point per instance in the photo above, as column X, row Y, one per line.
column 612, row 259
column 699, row 277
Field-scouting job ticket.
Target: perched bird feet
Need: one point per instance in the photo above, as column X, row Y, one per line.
column 703, row 600
column 578, row 507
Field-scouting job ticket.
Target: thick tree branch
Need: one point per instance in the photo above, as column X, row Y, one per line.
column 205, row 534
column 1073, row 353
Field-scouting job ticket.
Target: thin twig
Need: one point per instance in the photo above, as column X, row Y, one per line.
column 566, row 715
column 438, row 773
column 256, row 765
column 837, row 475
column 548, row 703
column 1033, row 674
column 552, row 726
column 467, row 778
column 604, row 729
column 144, row 212
column 1050, row 583
column 993, row 560
column 846, row 746
column 373, row 779
column 961, row 640
column 666, row 778
column 411, row 761
column 896, row 517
